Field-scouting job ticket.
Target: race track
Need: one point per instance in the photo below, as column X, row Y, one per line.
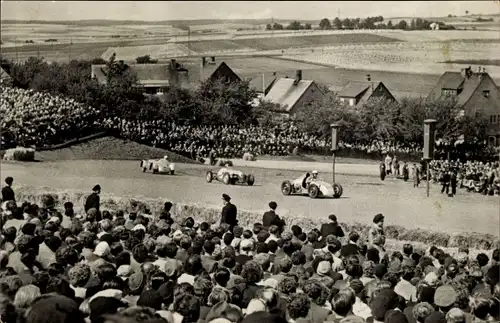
column 364, row 196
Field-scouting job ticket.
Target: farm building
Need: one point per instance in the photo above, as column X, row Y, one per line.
column 155, row 78
column 357, row 93
column 476, row 94
column 262, row 83
column 292, row 94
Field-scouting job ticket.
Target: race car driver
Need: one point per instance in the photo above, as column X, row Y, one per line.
column 314, row 177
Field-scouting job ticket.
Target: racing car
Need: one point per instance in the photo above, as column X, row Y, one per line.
column 314, row 188
column 229, row 175
column 158, row 166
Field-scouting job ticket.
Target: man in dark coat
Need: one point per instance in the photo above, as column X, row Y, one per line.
column 331, row 228
column 271, row 218
column 453, row 182
column 445, row 182
column 382, row 170
column 406, row 172
column 229, row 212
column 7, row 191
column 93, row 199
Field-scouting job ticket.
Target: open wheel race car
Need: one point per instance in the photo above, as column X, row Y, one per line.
column 313, row 188
column 158, row 166
column 228, row 175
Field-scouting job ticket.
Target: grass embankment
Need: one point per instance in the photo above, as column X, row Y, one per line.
column 110, row 148
column 397, row 235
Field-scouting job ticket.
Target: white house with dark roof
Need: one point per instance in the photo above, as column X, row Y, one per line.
column 292, row 93
column 358, row 93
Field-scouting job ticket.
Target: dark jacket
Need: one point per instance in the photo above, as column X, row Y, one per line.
column 92, row 201
column 229, row 212
column 330, row 228
column 8, row 194
column 271, row 218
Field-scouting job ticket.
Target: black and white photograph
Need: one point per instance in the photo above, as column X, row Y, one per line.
column 250, row 161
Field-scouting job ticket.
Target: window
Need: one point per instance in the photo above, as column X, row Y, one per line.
column 486, row 93
column 351, row 102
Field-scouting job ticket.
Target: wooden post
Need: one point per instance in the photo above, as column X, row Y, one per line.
column 429, row 142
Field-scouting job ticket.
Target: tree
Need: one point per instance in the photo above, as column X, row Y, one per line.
column 308, row 26
column 337, row 24
column 347, row 24
column 277, row 26
column 402, row 24
column 466, row 12
column 325, row 24
column 389, row 25
column 412, row 24
column 294, row 25
column 269, row 27
column 146, row 59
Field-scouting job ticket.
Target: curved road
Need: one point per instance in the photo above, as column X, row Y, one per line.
column 363, row 197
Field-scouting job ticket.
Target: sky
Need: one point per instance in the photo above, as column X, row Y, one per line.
column 177, row 10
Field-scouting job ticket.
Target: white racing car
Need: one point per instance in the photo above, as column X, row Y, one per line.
column 304, row 185
column 158, row 166
column 229, row 175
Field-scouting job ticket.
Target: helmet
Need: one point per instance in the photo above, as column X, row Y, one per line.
column 315, row 172
column 165, row 157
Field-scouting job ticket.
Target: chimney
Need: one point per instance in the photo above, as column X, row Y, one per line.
column 203, row 61
column 213, row 59
column 368, row 77
column 298, row 77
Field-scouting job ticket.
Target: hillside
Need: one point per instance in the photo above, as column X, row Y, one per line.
column 110, row 148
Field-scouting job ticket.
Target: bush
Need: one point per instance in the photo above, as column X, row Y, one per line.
column 20, row 154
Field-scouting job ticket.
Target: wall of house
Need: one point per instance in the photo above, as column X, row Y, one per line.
column 313, row 92
column 381, row 92
column 487, row 105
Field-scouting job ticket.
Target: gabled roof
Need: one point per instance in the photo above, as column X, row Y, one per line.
column 286, row 94
column 5, row 77
column 260, row 83
column 451, row 80
column 356, row 89
column 466, row 86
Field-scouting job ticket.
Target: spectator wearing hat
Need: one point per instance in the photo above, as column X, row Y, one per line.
column 376, row 230
column 7, row 191
column 271, row 218
column 445, row 297
column 331, row 228
column 93, row 200
column 229, row 212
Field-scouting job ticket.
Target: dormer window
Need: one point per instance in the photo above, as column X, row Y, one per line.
column 486, row 93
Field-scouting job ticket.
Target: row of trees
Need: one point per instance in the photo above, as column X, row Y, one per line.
column 294, row 25
column 223, row 103
column 385, row 120
column 377, row 23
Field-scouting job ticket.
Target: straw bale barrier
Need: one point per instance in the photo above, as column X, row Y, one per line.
column 20, row 154
column 211, row 213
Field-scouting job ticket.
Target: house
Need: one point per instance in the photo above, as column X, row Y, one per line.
column 358, row 93
column 476, row 94
column 5, row 78
column 262, row 82
column 155, row 78
column 292, row 94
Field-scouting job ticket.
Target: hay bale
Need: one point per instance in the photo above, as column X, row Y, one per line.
column 20, row 154
column 248, row 156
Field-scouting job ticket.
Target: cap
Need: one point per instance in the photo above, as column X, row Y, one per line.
column 445, row 296
column 333, row 217
column 226, row 197
column 96, row 188
column 377, row 218
column 273, row 205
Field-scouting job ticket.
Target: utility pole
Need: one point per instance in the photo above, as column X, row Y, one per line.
column 189, row 41
column 69, row 49
column 17, row 54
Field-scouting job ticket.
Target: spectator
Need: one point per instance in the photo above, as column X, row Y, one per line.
column 93, row 201
column 7, row 191
column 332, row 228
column 271, row 218
column 229, row 212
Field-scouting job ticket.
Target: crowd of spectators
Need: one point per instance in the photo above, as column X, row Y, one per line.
column 40, row 119
column 62, row 266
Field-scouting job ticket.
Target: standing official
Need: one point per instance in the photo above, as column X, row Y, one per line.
column 229, row 212
column 93, row 200
column 7, row 191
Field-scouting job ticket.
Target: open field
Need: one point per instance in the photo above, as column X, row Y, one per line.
column 363, row 196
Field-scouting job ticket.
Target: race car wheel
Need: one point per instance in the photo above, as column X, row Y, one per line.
column 142, row 163
column 286, row 188
column 313, row 191
column 337, row 190
column 155, row 170
column 209, row 177
column 250, row 180
column 226, row 179
column 144, row 169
